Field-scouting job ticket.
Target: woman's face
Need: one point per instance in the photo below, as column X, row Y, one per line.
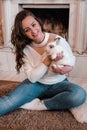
column 32, row 29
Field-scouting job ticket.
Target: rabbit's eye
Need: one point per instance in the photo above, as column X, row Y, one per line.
column 51, row 46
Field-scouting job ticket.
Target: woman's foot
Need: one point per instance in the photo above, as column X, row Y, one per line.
column 35, row 104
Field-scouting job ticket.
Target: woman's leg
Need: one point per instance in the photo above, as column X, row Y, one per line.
column 23, row 93
column 64, row 95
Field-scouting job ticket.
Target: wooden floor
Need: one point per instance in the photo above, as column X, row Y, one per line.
column 20, row 77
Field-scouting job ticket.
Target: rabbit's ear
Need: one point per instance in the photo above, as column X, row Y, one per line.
column 57, row 40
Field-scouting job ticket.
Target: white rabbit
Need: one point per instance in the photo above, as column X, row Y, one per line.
column 55, row 48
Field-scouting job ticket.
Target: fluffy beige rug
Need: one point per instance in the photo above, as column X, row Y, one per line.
column 80, row 113
column 37, row 120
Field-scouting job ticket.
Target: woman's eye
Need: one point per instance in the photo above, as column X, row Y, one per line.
column 33, row 25
column 26, row 30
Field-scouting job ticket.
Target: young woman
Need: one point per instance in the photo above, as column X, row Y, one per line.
column 45, row 88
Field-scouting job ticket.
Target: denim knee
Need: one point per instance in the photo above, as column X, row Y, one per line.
column 71, row 97
column 80, row 96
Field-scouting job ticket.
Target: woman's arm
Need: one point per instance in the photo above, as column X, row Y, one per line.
column 63, row 70
column 66, row 68
column 36, row 73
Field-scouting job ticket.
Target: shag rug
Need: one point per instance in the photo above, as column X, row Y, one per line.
column 36, row 120
column 80, row 113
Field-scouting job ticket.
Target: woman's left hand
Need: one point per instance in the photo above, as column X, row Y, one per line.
column 58, row 57
column 62, row 70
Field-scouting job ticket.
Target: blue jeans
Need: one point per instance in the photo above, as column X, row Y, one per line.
column 60, row 96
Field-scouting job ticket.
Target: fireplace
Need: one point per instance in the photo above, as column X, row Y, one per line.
column 66, row 17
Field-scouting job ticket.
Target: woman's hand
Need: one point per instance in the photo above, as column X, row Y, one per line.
column 59, row 56
column 47, row 61
column 62, row 70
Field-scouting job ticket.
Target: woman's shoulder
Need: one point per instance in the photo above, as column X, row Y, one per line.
column 53, row 36
column 26, row 49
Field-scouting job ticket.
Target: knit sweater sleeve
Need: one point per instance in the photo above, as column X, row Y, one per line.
column 69, row 50
column 34, row 72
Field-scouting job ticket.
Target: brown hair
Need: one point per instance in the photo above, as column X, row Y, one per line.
column 18, row 37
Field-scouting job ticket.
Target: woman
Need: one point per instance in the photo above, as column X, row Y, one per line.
column 43, row 82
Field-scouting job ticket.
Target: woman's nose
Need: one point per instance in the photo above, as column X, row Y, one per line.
column 33, row 30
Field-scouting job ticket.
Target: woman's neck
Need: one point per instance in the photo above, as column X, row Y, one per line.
column 43, row 42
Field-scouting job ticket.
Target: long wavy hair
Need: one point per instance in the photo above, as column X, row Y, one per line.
column 18, row 37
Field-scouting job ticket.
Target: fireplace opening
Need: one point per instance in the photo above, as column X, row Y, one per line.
column 55, row 20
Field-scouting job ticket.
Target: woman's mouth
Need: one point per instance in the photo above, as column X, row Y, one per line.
column 35, row 35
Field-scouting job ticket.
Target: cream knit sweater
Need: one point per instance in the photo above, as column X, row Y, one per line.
column 36, row 70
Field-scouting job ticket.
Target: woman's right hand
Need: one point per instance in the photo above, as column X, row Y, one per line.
column 47, row 61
